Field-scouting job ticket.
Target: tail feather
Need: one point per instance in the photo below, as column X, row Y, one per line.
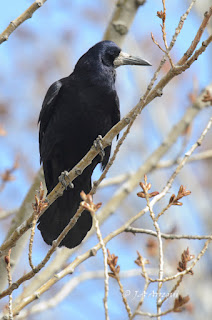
column 58, row 215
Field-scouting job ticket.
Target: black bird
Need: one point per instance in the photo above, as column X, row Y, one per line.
column 76, row 110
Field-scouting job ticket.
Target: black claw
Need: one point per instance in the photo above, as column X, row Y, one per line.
column 98, row 145
column 62, row 178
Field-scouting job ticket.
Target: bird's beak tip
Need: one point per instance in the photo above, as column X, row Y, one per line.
column 146, row 63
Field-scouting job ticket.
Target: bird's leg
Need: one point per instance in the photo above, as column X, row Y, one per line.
column 62, row 178
column 98, row 146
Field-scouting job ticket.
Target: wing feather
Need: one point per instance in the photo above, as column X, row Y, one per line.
column 47, row 111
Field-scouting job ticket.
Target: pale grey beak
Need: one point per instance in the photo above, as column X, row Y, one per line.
column 126, row 59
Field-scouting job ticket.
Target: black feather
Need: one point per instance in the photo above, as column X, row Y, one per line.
column 75, row 111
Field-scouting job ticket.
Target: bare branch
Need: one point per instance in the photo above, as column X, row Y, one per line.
column 179, row 274
column 69, row 287
column 168, row 236
column 119, row 179
column 88, row 204
column 115, row 270
column 122, row 19
column 197, row 38
column 160, row 243
column 9, row 277
column 38, row 206
column 162, row 16
column 141, row 262
column 196, row 157
column 23, row 17
column 7, row 213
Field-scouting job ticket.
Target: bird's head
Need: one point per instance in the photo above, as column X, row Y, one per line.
column 108, row 54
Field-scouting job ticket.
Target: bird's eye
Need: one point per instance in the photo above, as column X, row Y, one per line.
column 108, row 58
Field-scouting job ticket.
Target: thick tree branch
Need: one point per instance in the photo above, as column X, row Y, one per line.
column 122, row 19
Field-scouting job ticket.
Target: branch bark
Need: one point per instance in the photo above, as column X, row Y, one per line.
column 122, row 19
column 168, row 236
column 27, row 14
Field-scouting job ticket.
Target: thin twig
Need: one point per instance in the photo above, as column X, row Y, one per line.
column 157, row 44
column 9, row 277
column 162, row 16
column 38, row 206
column 196, row 157
column 187, row 270
column 112, row 260
column 88, row 204
column 197, row 38
column 124, row 299
column 106, row 277
column 119, row 179
column 152, row 315
column 181, row 165
column 23, row 17
column 142, row 263
column 198, row 52
column 7, row 175
column 172, row 290
column 180, row 25
column 31, row 241
column 160, row 244
column 164, row 25
column 168, row 236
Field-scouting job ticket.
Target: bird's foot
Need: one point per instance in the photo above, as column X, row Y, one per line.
column 63, row 179
column 98, row 146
